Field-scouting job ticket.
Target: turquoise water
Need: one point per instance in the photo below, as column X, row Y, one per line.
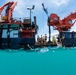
column 46, row 61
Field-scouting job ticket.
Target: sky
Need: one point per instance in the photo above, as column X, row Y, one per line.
column 60, row 7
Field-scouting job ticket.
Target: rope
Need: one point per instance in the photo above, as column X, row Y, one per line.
column 65, row 11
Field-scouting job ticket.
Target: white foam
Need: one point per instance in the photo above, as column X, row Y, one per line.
column 43, row 50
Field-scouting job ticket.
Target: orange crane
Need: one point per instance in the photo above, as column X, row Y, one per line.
column 7, row 18
column 64, row 24
column 66, row 38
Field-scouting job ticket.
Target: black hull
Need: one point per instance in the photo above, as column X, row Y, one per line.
column 16, row 43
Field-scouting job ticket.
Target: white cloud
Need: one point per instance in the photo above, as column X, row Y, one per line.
column 73, row 28
column 60, row 2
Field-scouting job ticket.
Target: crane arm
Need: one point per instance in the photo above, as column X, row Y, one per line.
column 9, row 9
column 72, row 16
column 45, row 10
column 2, row 7
column 12, row 6
column 64, row 24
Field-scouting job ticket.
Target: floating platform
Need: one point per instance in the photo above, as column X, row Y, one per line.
column 15, row 43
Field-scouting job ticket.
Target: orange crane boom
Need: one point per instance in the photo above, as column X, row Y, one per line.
column 72, row 16
column 64, row 24
column 9, row 11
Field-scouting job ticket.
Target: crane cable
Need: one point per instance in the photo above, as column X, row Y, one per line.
column 65, row 11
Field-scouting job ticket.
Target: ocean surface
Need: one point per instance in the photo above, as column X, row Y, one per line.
column 41, row 61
